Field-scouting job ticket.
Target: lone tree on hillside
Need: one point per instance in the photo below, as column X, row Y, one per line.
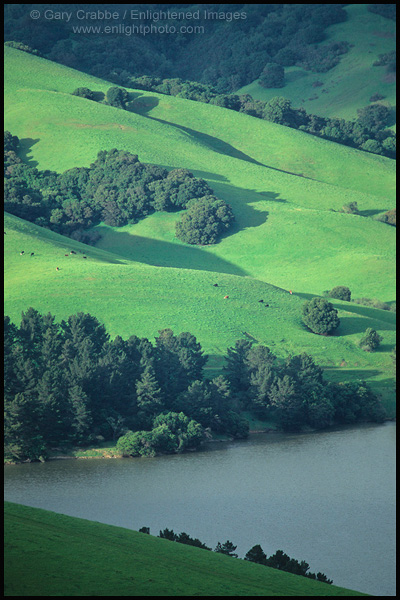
column 370, row 340
column 226, row 548
column 341, row 292
column 117, row 97
column 320, row 316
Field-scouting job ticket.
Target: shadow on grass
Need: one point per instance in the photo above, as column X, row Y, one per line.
column 144, row 104
column 370, row 213
column 165, row 254
column 343, row 374
column 352, row 325
column 241, row 200
column 295, row 76
column 24, row 151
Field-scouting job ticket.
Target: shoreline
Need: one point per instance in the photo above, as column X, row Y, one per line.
column 108, row 455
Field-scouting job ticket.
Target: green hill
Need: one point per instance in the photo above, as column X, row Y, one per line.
column 281, row 184
column 350, row 84
column 49, row 554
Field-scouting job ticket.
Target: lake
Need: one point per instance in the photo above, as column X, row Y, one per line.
column 327, row 497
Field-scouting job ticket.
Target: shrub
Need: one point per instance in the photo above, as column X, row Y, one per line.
column 341, row 292
column 376, row 97
column 390, row 217
column 84, row 92
column 370, row 340
column 320, row 316
column 351, row 208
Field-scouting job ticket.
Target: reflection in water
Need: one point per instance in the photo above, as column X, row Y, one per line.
column 327, row 498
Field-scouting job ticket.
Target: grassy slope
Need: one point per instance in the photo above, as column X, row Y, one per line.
column 49, row 554
column 285, row 235
column 135, row 298
column 350, row 84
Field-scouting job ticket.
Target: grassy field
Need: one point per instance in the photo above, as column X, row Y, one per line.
column 350, row 84
column 49, row 554
column 281, row 184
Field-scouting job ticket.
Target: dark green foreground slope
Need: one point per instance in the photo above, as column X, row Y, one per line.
column 49, row 554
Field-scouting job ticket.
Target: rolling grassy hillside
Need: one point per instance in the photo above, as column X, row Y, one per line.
column 281, row 184
column 49, row 554
column 350, row 84
column 137, row 298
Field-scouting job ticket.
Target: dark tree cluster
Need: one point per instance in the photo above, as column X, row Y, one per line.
column 228, row 57
column 67, row 383
column 283, row 562
column 116, row 189
column 385, row 10
column 23, row 47
column 256, row 554
column 368, row 132
column 295, row 393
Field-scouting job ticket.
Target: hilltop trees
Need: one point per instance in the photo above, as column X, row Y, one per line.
column 320, row 316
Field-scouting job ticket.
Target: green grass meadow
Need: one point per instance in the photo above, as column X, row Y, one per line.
column 281, row 184
column 350, row 84
column 49, row 554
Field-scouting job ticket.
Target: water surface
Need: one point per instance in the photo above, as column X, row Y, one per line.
column 327, row 498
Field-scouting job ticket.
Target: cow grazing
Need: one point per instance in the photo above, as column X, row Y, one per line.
column 290, row 292
column 85, row 257
column 266, row 305
column 32, row 254
column 66, row 254
column 72, row 252
column 57, row 269
column 215, row 284
column 261, row 300
column 22, row 252
column 225, row 297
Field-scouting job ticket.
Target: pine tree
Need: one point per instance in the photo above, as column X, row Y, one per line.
column 226, row 548
column 256, row 554
column 81, row 417
column 149, row 395
column 236, row 368
column 288, row 403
